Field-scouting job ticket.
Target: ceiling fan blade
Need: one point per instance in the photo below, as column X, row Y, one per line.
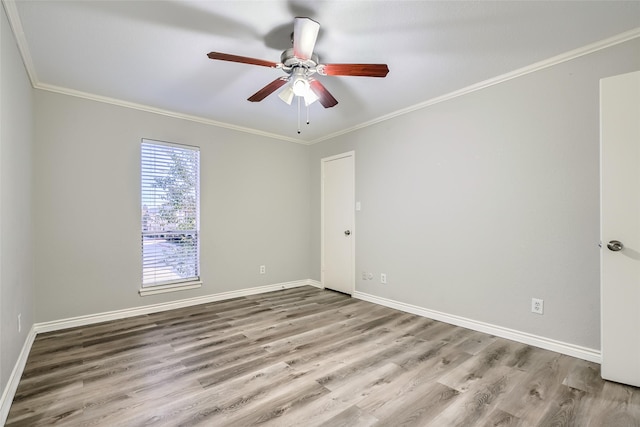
column 364, row 70
column 305, row 33
column 326, row 99
column 268, row 89
column 242, row 59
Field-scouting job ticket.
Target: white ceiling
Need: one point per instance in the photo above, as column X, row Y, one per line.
column 153, row 53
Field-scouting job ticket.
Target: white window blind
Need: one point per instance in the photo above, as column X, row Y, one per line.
column 170, row 213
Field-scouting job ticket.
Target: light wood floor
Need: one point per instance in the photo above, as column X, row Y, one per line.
column 305, row 357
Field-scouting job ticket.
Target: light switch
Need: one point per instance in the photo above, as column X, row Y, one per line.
column 358, row 206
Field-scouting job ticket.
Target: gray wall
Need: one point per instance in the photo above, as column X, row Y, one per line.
column 16, row 258
column 254, row 206
column 475, row 205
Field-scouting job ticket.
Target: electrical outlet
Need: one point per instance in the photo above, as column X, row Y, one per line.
column 20, row 322
column 537, row 305
column 263, row 269
column 383, row 278
column 364, row 275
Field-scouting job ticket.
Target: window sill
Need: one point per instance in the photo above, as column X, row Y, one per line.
column 162, row 289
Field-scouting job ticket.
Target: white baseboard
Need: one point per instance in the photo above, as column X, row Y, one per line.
column 73, row 322
column 580, row 352
column 14, row 379
column 315, row 283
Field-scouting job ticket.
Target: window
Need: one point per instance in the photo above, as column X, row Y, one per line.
column 170, row 217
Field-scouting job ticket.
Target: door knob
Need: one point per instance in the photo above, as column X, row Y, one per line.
column 346, row 233
column 615, row 246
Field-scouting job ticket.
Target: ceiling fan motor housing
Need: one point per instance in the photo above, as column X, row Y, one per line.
column 290, row 62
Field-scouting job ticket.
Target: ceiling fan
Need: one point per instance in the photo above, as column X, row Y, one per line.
column 300, row 64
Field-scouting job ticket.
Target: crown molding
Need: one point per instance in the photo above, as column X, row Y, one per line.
column 550, row 62
column 16, row 26
column 160, row 111
column 18, row 32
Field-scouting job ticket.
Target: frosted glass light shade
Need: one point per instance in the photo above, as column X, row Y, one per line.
column 287, row 94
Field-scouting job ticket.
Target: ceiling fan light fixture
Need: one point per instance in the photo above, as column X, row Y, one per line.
column 300, row 86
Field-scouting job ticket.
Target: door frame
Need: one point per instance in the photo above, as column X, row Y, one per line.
column 323, row 161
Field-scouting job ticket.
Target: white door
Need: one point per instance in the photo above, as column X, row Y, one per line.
column 620, row 227
column 338, row 205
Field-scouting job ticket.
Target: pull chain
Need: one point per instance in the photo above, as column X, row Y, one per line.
column 307, row 114
column 298, row 114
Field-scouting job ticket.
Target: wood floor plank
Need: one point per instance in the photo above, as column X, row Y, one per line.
column 419, row 410
column 619, row 408
column 499, row 418
column 479, row 399
column 351, row 417
column 305, row 357
column 538, row 389
column 475, row 343
column 584, row 376
column 563, row 409
column 474, row 370
column 411, row 385
column 65, row 399
column 275, row 408
column 367, row 382
column 214, row 404
column 354, row 367
column 335, row 328
column 339, row 403
column 310, row 415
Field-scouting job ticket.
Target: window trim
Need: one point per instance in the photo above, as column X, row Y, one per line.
column 173, row 287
